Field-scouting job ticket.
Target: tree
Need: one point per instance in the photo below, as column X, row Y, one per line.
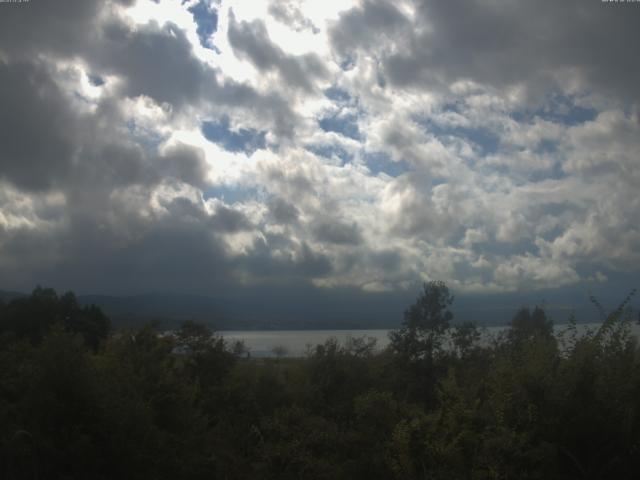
column 425, row 323
column 465, row 337
column 418, row 346
column 527, row 325
column 34, row 316
column 204, row 353
column 280, row 351
column 88, row 321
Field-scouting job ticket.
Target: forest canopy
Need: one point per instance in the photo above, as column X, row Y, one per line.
column 79, row 400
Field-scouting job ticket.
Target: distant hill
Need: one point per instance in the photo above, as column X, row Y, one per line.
column 7, row 296
column 265, row 313
column 172, row 309
column 168, row 309
column 302, row 308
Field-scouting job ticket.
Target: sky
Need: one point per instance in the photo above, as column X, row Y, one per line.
column 329, row 151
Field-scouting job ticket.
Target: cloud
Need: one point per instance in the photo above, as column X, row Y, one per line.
column 60, row 28
column 288, row 13
column 156, row 61
column 337, row 232
column 544, row 46
column 284, row 267
column 491, row 145
column 30, row 99
column 183, row 163
column 283, row 212
column 251, row 40
column 229, row 220
column 363, row 27
column 527, row 271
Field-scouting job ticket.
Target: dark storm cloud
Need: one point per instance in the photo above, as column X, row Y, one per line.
column 111, row 163
column 252, row 41
column 337, row 232
column 300, row 263
column 155, row 60
column 170, row 252
column 282, row 211
column 183, row 163
column 32, row 107
column 109, row 244
column 229, row 220
column 109, row 249
column 364, row 26
column 223, row 220
column 40, row 27
column 388, row 260
column 501, row 43
column 74, row 148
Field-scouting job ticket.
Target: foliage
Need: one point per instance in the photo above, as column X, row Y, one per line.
column 439, row 403
column 425, row 324
column 34, row 316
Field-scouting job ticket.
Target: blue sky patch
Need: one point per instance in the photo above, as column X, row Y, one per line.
column 483, row 138
column 547, row 146
column 348, row 63
column 95, row 80
column 337, row 95
column 245, row 140
column 231, row 194
column 346, row 125
column 379, row 162
column 555, row 173
column 559, row 109
column 206, row 17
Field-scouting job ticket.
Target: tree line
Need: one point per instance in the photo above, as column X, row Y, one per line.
column 79, row 400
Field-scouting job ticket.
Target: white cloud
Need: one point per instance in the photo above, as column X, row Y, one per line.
column 466, row 168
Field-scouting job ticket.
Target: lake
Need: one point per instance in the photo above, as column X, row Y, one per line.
column 261, row 343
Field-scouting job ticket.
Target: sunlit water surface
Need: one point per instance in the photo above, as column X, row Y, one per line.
column 296, row 343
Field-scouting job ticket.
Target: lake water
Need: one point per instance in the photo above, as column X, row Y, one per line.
column 261, row 343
